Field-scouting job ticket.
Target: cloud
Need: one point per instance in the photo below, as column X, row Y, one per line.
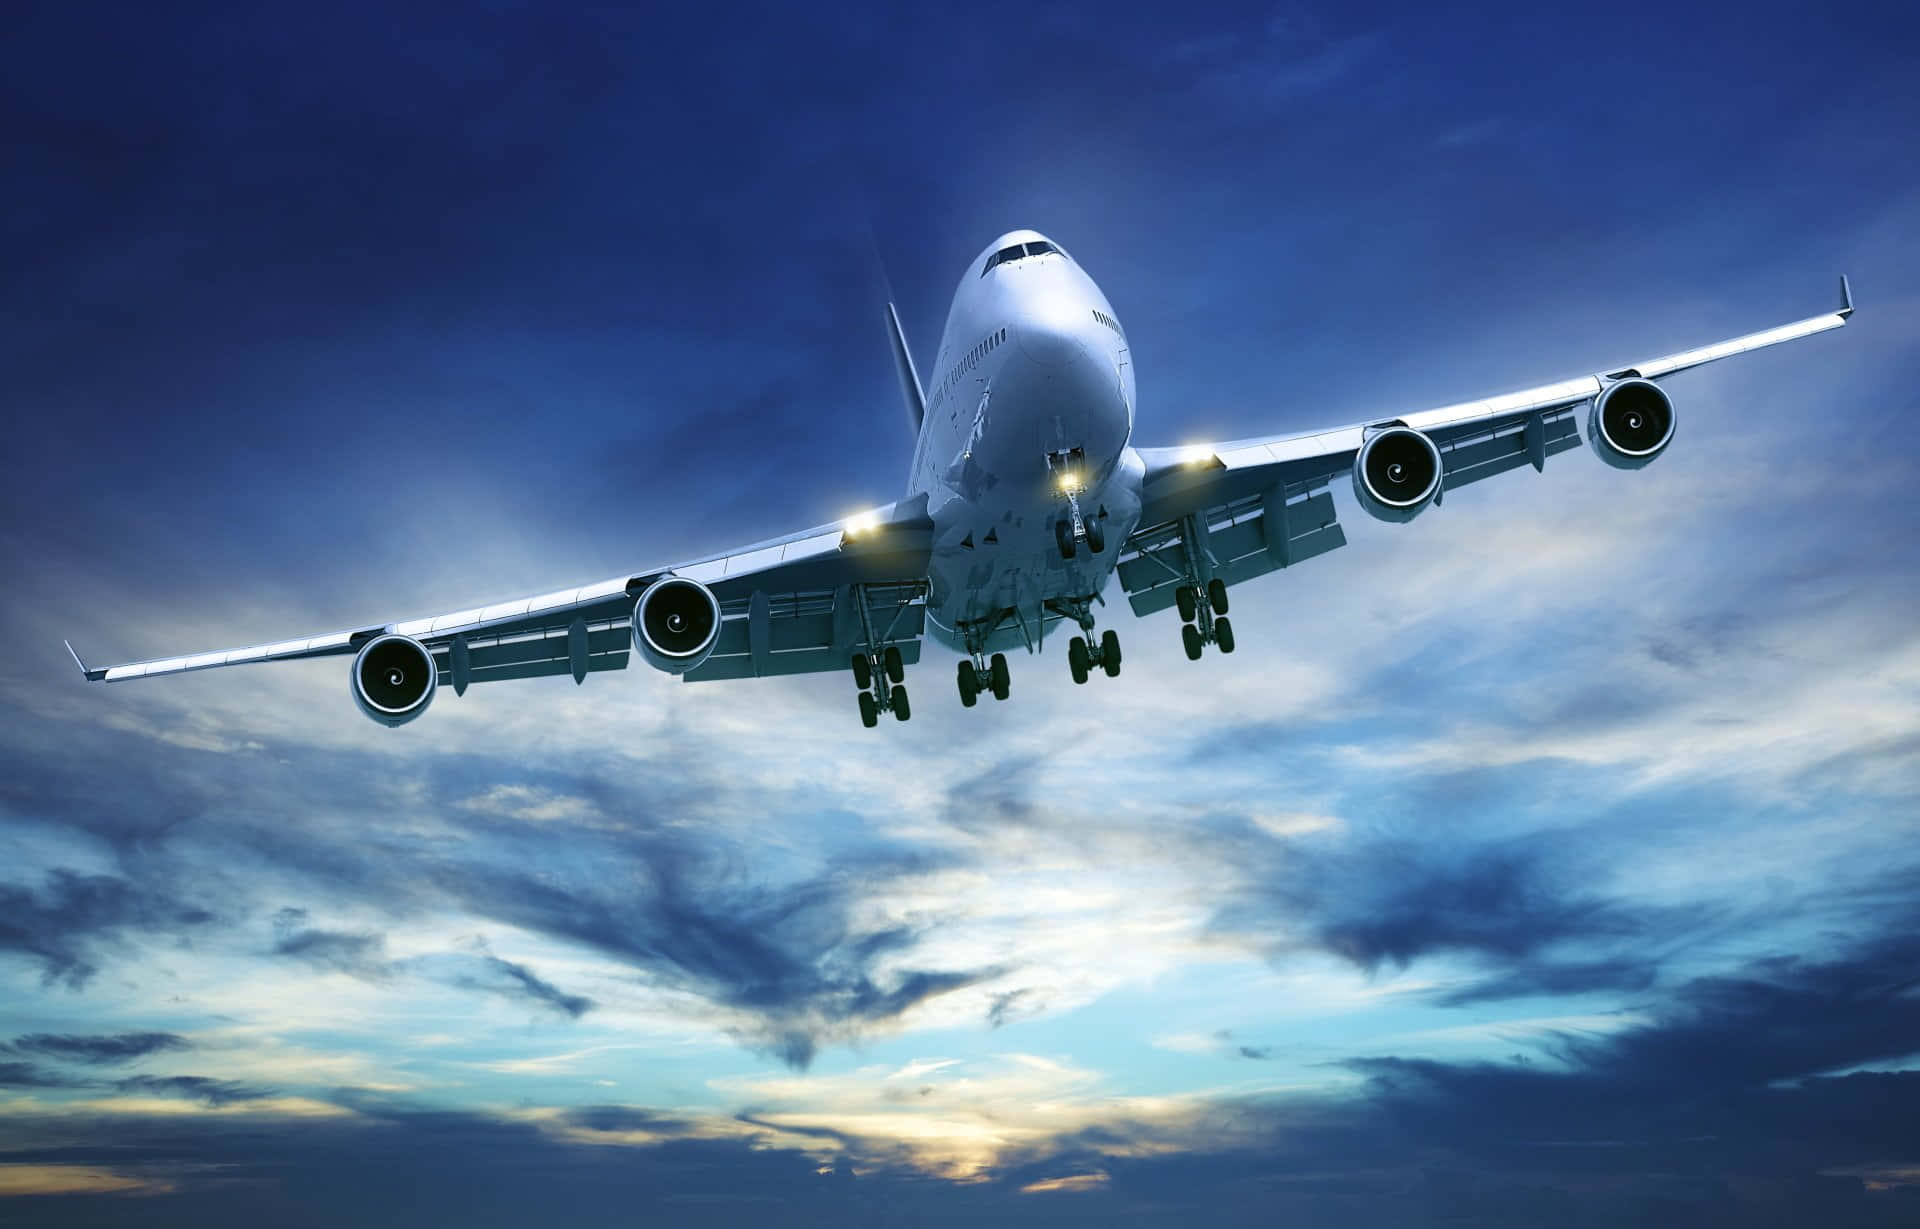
column 363, row 955
column 204, row 1089
column 516, row 981
column 29, row 1075
column 62, row 923
column 97, row 1049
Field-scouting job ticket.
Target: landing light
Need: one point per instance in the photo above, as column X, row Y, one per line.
column 1069, row 481
column 860, row 523
column 1195, row 454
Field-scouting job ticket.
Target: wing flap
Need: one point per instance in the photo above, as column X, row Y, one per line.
column 1498, row 447
column 1242, row 540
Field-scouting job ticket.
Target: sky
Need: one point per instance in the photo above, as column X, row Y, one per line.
column 1547, row 859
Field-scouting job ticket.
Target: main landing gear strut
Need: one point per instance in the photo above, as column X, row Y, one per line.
column 879, row 673
column 1201, row 597
column 1084, row 653
column 980, row 673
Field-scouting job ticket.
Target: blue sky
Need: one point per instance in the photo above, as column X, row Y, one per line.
column 1547, row 857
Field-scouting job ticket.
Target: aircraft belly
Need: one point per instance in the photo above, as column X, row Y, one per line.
column 991, row 558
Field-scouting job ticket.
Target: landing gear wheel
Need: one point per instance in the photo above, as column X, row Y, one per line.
column 862, row 671
column 1096, row 537
column 1190, row 636
column 1063, row 534
column 901, row 709
column 1110, row 653
column 969, row 684
column 896, row 669
column 1077, row 659
column 1217, row 595
column 869, row 711
column 1223, row 635
column 1184, row 599
column 997, row 670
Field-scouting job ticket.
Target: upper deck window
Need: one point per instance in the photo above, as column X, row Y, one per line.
column 1019, row 250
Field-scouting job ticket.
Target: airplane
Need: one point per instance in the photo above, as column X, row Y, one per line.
column 1026, row 496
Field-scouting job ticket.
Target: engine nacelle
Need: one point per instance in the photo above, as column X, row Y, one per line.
column 394, row 679
column 676, row 623
column 1396, row 474
column 1631, row 423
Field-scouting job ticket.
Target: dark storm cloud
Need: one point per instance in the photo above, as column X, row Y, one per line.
column 97, row 1050
column 67, row 920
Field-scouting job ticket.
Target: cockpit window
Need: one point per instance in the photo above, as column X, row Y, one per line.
column 1017, row 251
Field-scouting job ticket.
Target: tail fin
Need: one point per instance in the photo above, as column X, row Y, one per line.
column 903, row 363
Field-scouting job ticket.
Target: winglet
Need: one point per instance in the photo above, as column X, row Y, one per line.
column 1846, row 298
column 93, row 676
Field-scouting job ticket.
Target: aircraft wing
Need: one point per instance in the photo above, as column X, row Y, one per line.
column 1239, row 509
column 789, row 605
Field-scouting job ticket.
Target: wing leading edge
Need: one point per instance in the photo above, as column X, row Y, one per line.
column 1242, row 508
column 769, row 593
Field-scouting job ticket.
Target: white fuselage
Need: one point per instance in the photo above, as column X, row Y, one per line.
column 1032, row 364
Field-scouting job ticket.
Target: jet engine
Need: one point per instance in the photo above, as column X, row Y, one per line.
column 1396, row 474
column 676, row 623
column 394, row 679
column 1631, row 423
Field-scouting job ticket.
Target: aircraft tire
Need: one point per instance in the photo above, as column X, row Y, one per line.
column 1002, row 682
column 901, row 709
column 869, row 711
column 1063, row 534
column 1190, row 637
column 862, row 671
column 1110, row 653
column 1096, row 536
column 1077, row 659
column 1217, row 595
column 969, row 685
column 896, row 669
column 1223, row 634
column 1184, row 599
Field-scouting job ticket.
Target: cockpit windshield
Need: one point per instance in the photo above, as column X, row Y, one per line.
column 1019, row 251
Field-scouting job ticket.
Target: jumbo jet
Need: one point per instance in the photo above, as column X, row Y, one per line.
column 1027, row 495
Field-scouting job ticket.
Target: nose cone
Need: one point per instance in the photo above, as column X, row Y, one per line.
column 1052, row 343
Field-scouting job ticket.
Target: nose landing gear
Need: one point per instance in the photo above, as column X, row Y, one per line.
column 1069, row 470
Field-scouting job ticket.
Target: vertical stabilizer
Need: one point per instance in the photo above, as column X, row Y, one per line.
column 903, row 363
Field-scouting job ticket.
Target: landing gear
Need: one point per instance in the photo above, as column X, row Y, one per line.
column 1069, row 471
column 1085, row 653
column 982, row 673
column 1201, row 597
column 878, row 673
